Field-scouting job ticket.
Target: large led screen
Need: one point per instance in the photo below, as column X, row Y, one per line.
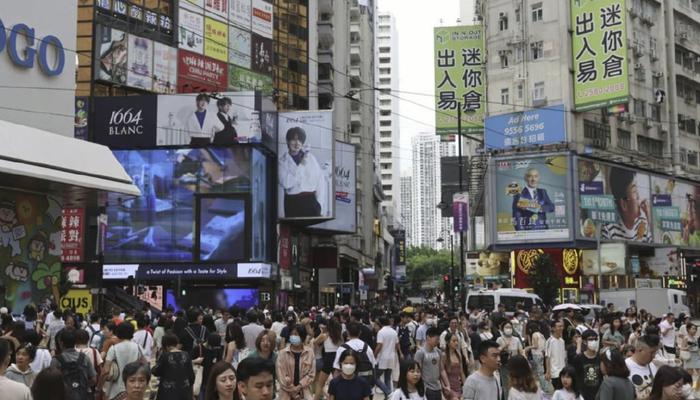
column 159, row 225
column 222, row 233
column 242, row 298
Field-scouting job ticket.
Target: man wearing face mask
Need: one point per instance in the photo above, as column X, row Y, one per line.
column 587, row 365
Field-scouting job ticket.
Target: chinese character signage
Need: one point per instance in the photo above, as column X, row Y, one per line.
column 614, row 199
column 600, row 53
column 215, row 39
column 72, row 227
column 460, row 211
column 217, row 7
column 197, row 73
column 262, row 55
column 262, row 18
column 241, row 79
column 82, row 110
column 164, row 68
column 459, row 78
column 191, row 31
column 533, row 127
column 239, row 42
column 532, row 199
column 240, row 13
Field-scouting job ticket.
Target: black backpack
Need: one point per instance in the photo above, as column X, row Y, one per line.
column 75, row 378
column 363, row 363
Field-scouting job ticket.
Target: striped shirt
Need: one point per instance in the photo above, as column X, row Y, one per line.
column 640, row 231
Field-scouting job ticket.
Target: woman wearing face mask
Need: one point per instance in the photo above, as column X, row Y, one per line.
column 410, row 382
column 616, row 385
column 668, row 384
column 296, row 367
column 509, row 346
column 221, row 384
column 485, row 331
column 347, row 385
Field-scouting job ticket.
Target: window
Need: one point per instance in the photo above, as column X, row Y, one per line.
column 596, row 133
column 639, row 106
column 655, row 112
column 538, row 92
column 693, row 158
column 517, row 15
column 520, row 92
column 537, row 12
column 624, row 139
column 650, row 146
column 504, row 59
column 690, row 126
column 537, row 50
column 504, row 97
column 502, row 22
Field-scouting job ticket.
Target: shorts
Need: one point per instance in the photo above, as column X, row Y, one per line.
column 319, row 364
column 328, row 359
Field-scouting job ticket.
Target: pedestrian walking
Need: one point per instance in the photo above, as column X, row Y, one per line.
column 221, row 384
column 254, row 377
column 411, row 385
column 555, row 354
column 454, row 367
column 522, row 381
column 429, row 359
column 296, row 367
column 616, row 385
column 387, row 351
column 136, row 376
column 10, row 389
column 78, row 372
column 641, row 368
column 569, row 385
column 587, row 363
column 174, row 369
column 484, row 384
column 21, row 371
column 347, row 385
column 690, row 353
column 331, row 338
column 119, row 355
column 236, row 349
column 668, row 384
column 510, row 346
column 48, row 385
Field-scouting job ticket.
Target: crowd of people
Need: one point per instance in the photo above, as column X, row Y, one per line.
column 348, row 353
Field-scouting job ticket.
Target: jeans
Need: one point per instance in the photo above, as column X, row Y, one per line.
column 384, row 384
column 433, row 394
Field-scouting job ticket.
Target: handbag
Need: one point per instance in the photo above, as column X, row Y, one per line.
column 198, row 372
column 685, row 355
column 113, row 373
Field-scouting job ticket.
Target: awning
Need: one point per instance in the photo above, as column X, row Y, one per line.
column 40, row 161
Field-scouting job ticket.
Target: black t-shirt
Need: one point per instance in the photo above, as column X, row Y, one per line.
column 589, row 375
column 349, row 389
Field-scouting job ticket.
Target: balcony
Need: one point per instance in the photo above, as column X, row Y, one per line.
column 325, row 34
column 325, row 7
column 355, row 55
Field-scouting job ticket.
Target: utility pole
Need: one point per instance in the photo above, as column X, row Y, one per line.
column 460, row 162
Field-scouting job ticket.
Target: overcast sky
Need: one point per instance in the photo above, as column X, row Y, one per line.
column 415, row 21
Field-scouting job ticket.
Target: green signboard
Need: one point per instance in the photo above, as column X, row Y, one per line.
column 460, row 78
column 241, row 79
column 600, row 53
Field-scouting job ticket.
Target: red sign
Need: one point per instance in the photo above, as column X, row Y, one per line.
column 566, row 261
column 197, row 73
column 72, row 229
column 285, row 251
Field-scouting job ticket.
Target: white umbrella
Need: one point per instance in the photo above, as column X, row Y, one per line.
column 566, row 306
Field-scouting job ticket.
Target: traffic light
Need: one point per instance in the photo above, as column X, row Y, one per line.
column 446, row 281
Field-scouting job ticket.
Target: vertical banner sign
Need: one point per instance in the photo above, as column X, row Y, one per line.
column 460, row 211
column 600, row 53
column 400, row 254
column 82, row 109
column 72, row 227
column 459, row 78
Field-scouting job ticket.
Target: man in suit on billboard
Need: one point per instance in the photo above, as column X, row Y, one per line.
column 531, row 205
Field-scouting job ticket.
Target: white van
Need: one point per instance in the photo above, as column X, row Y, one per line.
column 657, row 301
column 490, row 299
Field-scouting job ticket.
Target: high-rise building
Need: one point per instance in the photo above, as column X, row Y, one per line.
column 294, row 73
column 387, row 134
column 427, row 223
column 407, row 206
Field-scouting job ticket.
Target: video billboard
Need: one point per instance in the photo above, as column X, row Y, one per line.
column 222, row 229
column 460, row 78
column 532, row 198
column 226, row 298
column 345, row 182
column 305, row 171
column 614, row 199
column 599, row 45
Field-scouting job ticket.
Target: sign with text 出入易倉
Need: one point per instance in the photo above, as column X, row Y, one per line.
column 459, row 78
column 599, row 44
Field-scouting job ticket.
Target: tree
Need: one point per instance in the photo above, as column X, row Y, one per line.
column 423, row 264
column 544, row 279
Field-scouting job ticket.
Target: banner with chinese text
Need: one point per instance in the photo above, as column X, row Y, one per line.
column 599, row 44
column 459, row 78
column 72, row 228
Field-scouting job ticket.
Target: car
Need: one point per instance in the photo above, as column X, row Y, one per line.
column 489, row 299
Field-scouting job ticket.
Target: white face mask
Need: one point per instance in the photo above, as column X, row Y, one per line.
column 687, row 391
column 593, row 345
column 508, row 331
column 348, row 369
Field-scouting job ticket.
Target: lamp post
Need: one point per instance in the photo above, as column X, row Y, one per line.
column 452, row 271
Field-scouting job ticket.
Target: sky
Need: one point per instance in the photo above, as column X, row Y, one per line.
column 415, row 21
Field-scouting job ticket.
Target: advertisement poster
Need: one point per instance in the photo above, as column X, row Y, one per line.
column 534, row 127
column 240, row 13
column 112, row 51
column 158, row 226
column 674, row 206
column 666, row 261
column 262, row 55
column 79, row 300
column 345, row 183
column 191, row 31
column 153, row 295
column 615, row 199
column 240, row 46
column 532, row 199
column 140, row 63
column 488, row 264
column 220, row 299
column 30, row 254
column 305, row 170
column 460, row 78
column 164, row 68
column 612, row 260
column 240, row 79
column 566, row 262
column 194, row 5
column 261, row 22
column 230, row 118
column 72, row 233
column 217, row 7
column 599, row 44
column 216, row 39
column 82, row 110
column 125, row 121
column 200, row 74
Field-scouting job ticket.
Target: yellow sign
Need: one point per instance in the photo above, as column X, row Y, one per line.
column 215, row 39
column 570, row 259
column 78, row 299
column 526, row 259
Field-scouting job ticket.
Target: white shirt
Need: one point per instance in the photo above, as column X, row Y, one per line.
column 209, row 127
column 142, row 336
column 305, row 177
column 642, row 374
column 277, row 327
column 399, row 395
column 12, row 390
column 388, row 337
column 357, row 345
column 669, row 338
column 251, row 332
column 555, row 350
column 95, row 337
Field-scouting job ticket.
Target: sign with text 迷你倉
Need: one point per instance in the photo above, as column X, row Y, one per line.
column 599, row 44
column 459, row 79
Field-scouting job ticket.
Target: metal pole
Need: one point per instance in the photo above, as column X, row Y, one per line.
column 461, row 189
column 598, row 227
column 452, row 270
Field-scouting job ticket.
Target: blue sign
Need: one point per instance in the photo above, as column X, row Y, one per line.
column 22, row 35
column 591, row 187
column 530, row 128
column 661, row 200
